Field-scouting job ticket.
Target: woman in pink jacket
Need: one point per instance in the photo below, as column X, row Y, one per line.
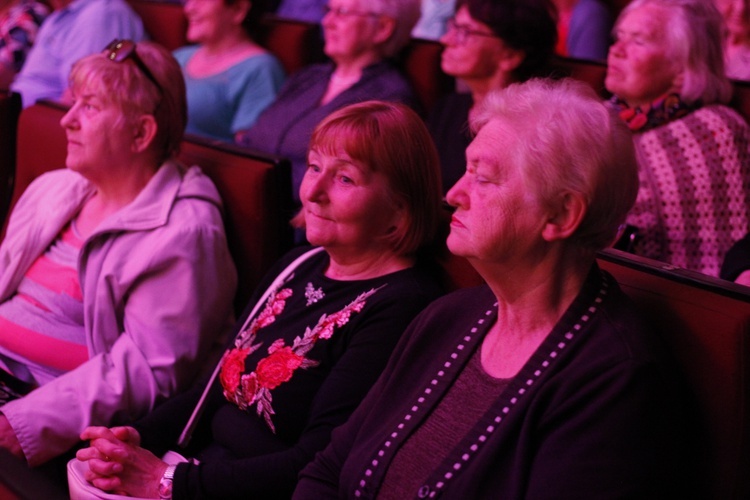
column 115, row 273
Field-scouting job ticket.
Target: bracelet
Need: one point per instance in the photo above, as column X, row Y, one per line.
column 165, row 484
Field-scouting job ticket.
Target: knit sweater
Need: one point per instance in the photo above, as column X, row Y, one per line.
column 694, row 195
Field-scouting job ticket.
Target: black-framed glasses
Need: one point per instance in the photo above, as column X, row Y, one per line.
column 462, row 32
column 343, row 12
column 122, row 50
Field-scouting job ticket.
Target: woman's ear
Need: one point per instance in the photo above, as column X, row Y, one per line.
column 510, row 59
column 385, row 29
column 241, row 9
column 566, row 216
column 145, row 129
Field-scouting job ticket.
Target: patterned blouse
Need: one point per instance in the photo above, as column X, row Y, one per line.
column 18, row 28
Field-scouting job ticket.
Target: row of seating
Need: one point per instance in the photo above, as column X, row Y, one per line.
column 704, row 320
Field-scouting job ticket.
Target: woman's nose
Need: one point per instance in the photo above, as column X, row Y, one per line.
column 456, row 196
column 67, row 120
column 313, row 188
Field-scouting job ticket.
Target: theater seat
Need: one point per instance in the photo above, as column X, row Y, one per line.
column 255, row 188
column 164, row 22
column 590, row 72
column 10, row 108
column 741, row 98
column 706, row 324
column 294, row 43
column 256, row 191
column 420, row 61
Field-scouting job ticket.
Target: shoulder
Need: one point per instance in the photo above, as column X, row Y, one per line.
column 197, row 191
column 183, row 54
column 259, row 65
column 456, row 310
column 721, row 112
column 90, row 8
column 57, row 183
column 310, row 73
column 620, row 332
column 385, row 71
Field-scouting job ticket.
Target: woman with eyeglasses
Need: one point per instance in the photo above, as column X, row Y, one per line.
column 230, row 79
column 361, row 37
column 115, row 275
column 489, row 45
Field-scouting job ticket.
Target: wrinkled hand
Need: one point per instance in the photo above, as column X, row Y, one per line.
column 8, row 438
column 118, row 464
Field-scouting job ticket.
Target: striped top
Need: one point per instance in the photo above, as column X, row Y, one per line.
column 694, row 195
column 41, row 326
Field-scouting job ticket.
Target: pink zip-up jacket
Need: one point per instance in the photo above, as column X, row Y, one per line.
column 157, row 281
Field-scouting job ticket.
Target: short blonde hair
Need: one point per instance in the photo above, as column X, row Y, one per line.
column 126, row 86
column 392, row 139
column 568, row 140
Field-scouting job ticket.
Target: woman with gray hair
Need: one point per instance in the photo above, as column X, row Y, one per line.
column 666, row 72
column 543, row 383
column 361, row 36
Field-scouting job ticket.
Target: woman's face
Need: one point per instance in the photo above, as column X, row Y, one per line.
column 346, row 205
column 498, row 219
column 639, row 68
column 468, row 53
column 98, row 134
column 208, row 19
column 349, row 29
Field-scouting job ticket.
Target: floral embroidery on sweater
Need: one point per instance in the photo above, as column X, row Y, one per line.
column 254, row 388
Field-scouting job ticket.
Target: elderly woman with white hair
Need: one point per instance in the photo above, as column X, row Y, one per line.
column 543, row 383
column 666, row 73
column 361, row 36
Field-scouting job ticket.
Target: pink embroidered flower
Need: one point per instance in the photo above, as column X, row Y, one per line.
column 274, row 307
column 277, row 344
column 278, row 367
column 231, row 368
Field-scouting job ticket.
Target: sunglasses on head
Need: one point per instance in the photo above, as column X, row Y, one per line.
column 122, row 50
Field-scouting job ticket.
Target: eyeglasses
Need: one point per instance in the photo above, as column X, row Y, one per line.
column 461, row 32
column 343, row 12
column 122, row 50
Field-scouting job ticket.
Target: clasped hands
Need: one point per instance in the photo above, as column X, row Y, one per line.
column 117, row 463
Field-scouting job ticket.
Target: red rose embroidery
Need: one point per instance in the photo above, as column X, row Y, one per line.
column 231, row 368
column 278, row 367
column 254, row 388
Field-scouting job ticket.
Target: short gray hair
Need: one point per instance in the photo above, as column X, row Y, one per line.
column 569, row 141
column 693, row 31
column 405, row 13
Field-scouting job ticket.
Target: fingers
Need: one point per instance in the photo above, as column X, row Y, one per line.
column 104, row 468
column 90, row 433
column 103, row 483
column 127, row 434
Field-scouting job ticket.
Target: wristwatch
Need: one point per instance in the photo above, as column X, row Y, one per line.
column 165, row 484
